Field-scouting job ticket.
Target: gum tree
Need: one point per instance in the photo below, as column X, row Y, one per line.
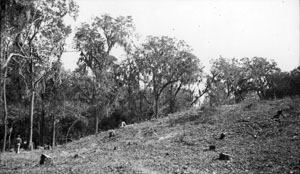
column 95, row 42
column 164, row 61
column 38, row 40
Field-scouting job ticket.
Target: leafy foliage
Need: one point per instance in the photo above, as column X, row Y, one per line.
column 234, row 79
column 95, row 42
column 163, row 61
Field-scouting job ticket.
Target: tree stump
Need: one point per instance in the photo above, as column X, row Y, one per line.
column 223, row 156
column 222, row 136
column 249, row 106
column 47, row 147
column 212, row 147
column 40, row 147
column 111, row 133
column 46, row 160
column 123, row 124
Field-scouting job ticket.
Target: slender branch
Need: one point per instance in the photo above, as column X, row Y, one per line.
column 10, row 57
column 165, row 85
column 71, row 127
column 200, row 95
column 178, row 89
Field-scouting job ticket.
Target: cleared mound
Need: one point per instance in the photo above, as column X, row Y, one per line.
column 253, row 142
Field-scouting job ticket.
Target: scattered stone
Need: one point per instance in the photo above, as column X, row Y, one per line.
column 46, row 160
column 223, row 156
column 295, row 138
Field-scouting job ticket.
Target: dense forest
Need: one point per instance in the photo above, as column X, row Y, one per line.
column 46, row 104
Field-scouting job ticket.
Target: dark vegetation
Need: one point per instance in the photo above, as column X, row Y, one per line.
column 47, row 105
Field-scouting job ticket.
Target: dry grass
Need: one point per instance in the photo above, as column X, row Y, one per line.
column 178, row 144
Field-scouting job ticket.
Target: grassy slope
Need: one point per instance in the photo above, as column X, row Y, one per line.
column 178, row 143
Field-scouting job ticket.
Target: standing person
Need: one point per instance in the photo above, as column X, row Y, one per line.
column 18, row 144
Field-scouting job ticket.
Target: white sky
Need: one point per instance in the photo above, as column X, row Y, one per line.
column 231, row 28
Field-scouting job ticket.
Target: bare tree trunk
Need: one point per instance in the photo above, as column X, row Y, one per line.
column 172, row 100
column 42, row 125
column 53, row 130
column 30, row 145
column 31, row 121
column 3, row 5
column 156, row 106
column 9, row 137
column 141, row 106
column 96, row 121
column 5, row 111
column 70, row 128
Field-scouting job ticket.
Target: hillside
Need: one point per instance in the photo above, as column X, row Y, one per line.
column 179, row 143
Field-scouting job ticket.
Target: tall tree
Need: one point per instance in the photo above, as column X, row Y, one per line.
column 163, row 61
column 231, row 76
column 11, row 23
column 192, row 75
column 127, row 78
column 259, row 70
column 39, row 41
column 95, row 43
